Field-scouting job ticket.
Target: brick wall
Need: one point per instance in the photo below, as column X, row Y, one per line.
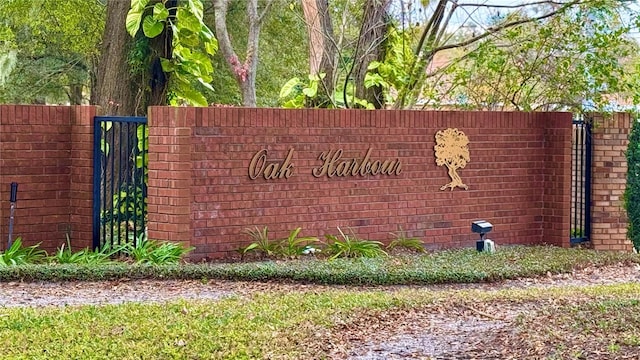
column 47, row 151
column 609, row 218
column 200, row 190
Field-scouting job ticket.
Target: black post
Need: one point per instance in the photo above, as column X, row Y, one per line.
column 13, row 198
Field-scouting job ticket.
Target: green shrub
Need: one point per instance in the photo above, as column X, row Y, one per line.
column 402, row 241
column 261, row 242
column 64, row 255
column 146, row 251
column 294, row 246
column 20, row 255
column 451, row 266
column 632, row 192
column 350, row 247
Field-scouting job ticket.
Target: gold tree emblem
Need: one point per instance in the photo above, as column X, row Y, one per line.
column 452, row 151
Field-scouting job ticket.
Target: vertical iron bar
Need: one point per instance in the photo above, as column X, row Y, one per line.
column 143, row 177
column 587, row 182
column 581, row 179
column 103, row 180
column 128, row 182
column 97, row 179
column 574, row 176
column 119, row 188
column 134, row 174
column 112, row 150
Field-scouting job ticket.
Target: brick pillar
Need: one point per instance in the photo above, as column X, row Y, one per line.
column 557, row 179
column 169, row 187
column 609, row 218
column 81, row 187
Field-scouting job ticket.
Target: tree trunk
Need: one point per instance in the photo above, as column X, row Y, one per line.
column 371, row 48
column 161, row 47
column 245, row 72
column 113, row 88
column 75, row 94
column 322, row 49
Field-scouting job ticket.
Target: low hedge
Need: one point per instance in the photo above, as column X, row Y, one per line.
column 453, row 266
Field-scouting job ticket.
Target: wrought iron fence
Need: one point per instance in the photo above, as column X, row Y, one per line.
column 120, row 180
column 581, row 181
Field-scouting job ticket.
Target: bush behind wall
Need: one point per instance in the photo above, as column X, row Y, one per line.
column 632, row 192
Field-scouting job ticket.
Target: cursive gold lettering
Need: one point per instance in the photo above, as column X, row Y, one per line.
column 272, row 170
column 333, row 165
column 375, row 167
column 364, row 165
column 257, row 164
column 324, row 157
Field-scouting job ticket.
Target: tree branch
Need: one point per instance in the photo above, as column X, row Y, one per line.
column 499, row 28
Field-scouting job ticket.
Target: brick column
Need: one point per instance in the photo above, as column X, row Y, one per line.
column 81, row 187
column 557, row 179
column 169, row 187
column 609, row 218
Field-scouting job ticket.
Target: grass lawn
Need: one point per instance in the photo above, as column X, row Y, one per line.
column 597, row 322
column 568, row 323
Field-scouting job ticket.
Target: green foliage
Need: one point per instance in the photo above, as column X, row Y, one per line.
column 261, row 242
column 64, row 255
column 298, row 324
column 127, row 204
column 21, row 255
column 294, row 246
column 577, row 232
column 401, row 240
column 349, row 246
column 146, row 251
column 632, row 191
column 584, row 49
column 296, row 94
column 48, row 49
column 192, row 44
column 394, row 71
column 452, row 266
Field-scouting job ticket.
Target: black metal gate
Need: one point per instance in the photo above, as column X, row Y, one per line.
column 119, row 180
column 581, row 181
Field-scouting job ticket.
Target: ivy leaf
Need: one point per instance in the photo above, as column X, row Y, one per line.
column 206, row 84
column 160, row 12
column 287, row 89
column 139, row 5
column 192, row 96
column 187, row 21
column 211, row 46
column 167, row 65
column 132, row 23
column 373, row 65
column 197, row 9
column 151, row 27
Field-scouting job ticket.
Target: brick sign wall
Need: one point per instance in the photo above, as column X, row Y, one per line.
column 47, row 150
column 214, row 172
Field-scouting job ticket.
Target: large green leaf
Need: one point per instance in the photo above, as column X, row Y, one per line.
column 203, row 61
column 151, row 27
column 187, row 21
column 139, row 5
column 211, row 46
column 197, row 9
column 289, row 86
column 206, row 84
column 167, row 65
column 132, row 23
column 312, row 90
column 160, row 12
column 190, row 95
